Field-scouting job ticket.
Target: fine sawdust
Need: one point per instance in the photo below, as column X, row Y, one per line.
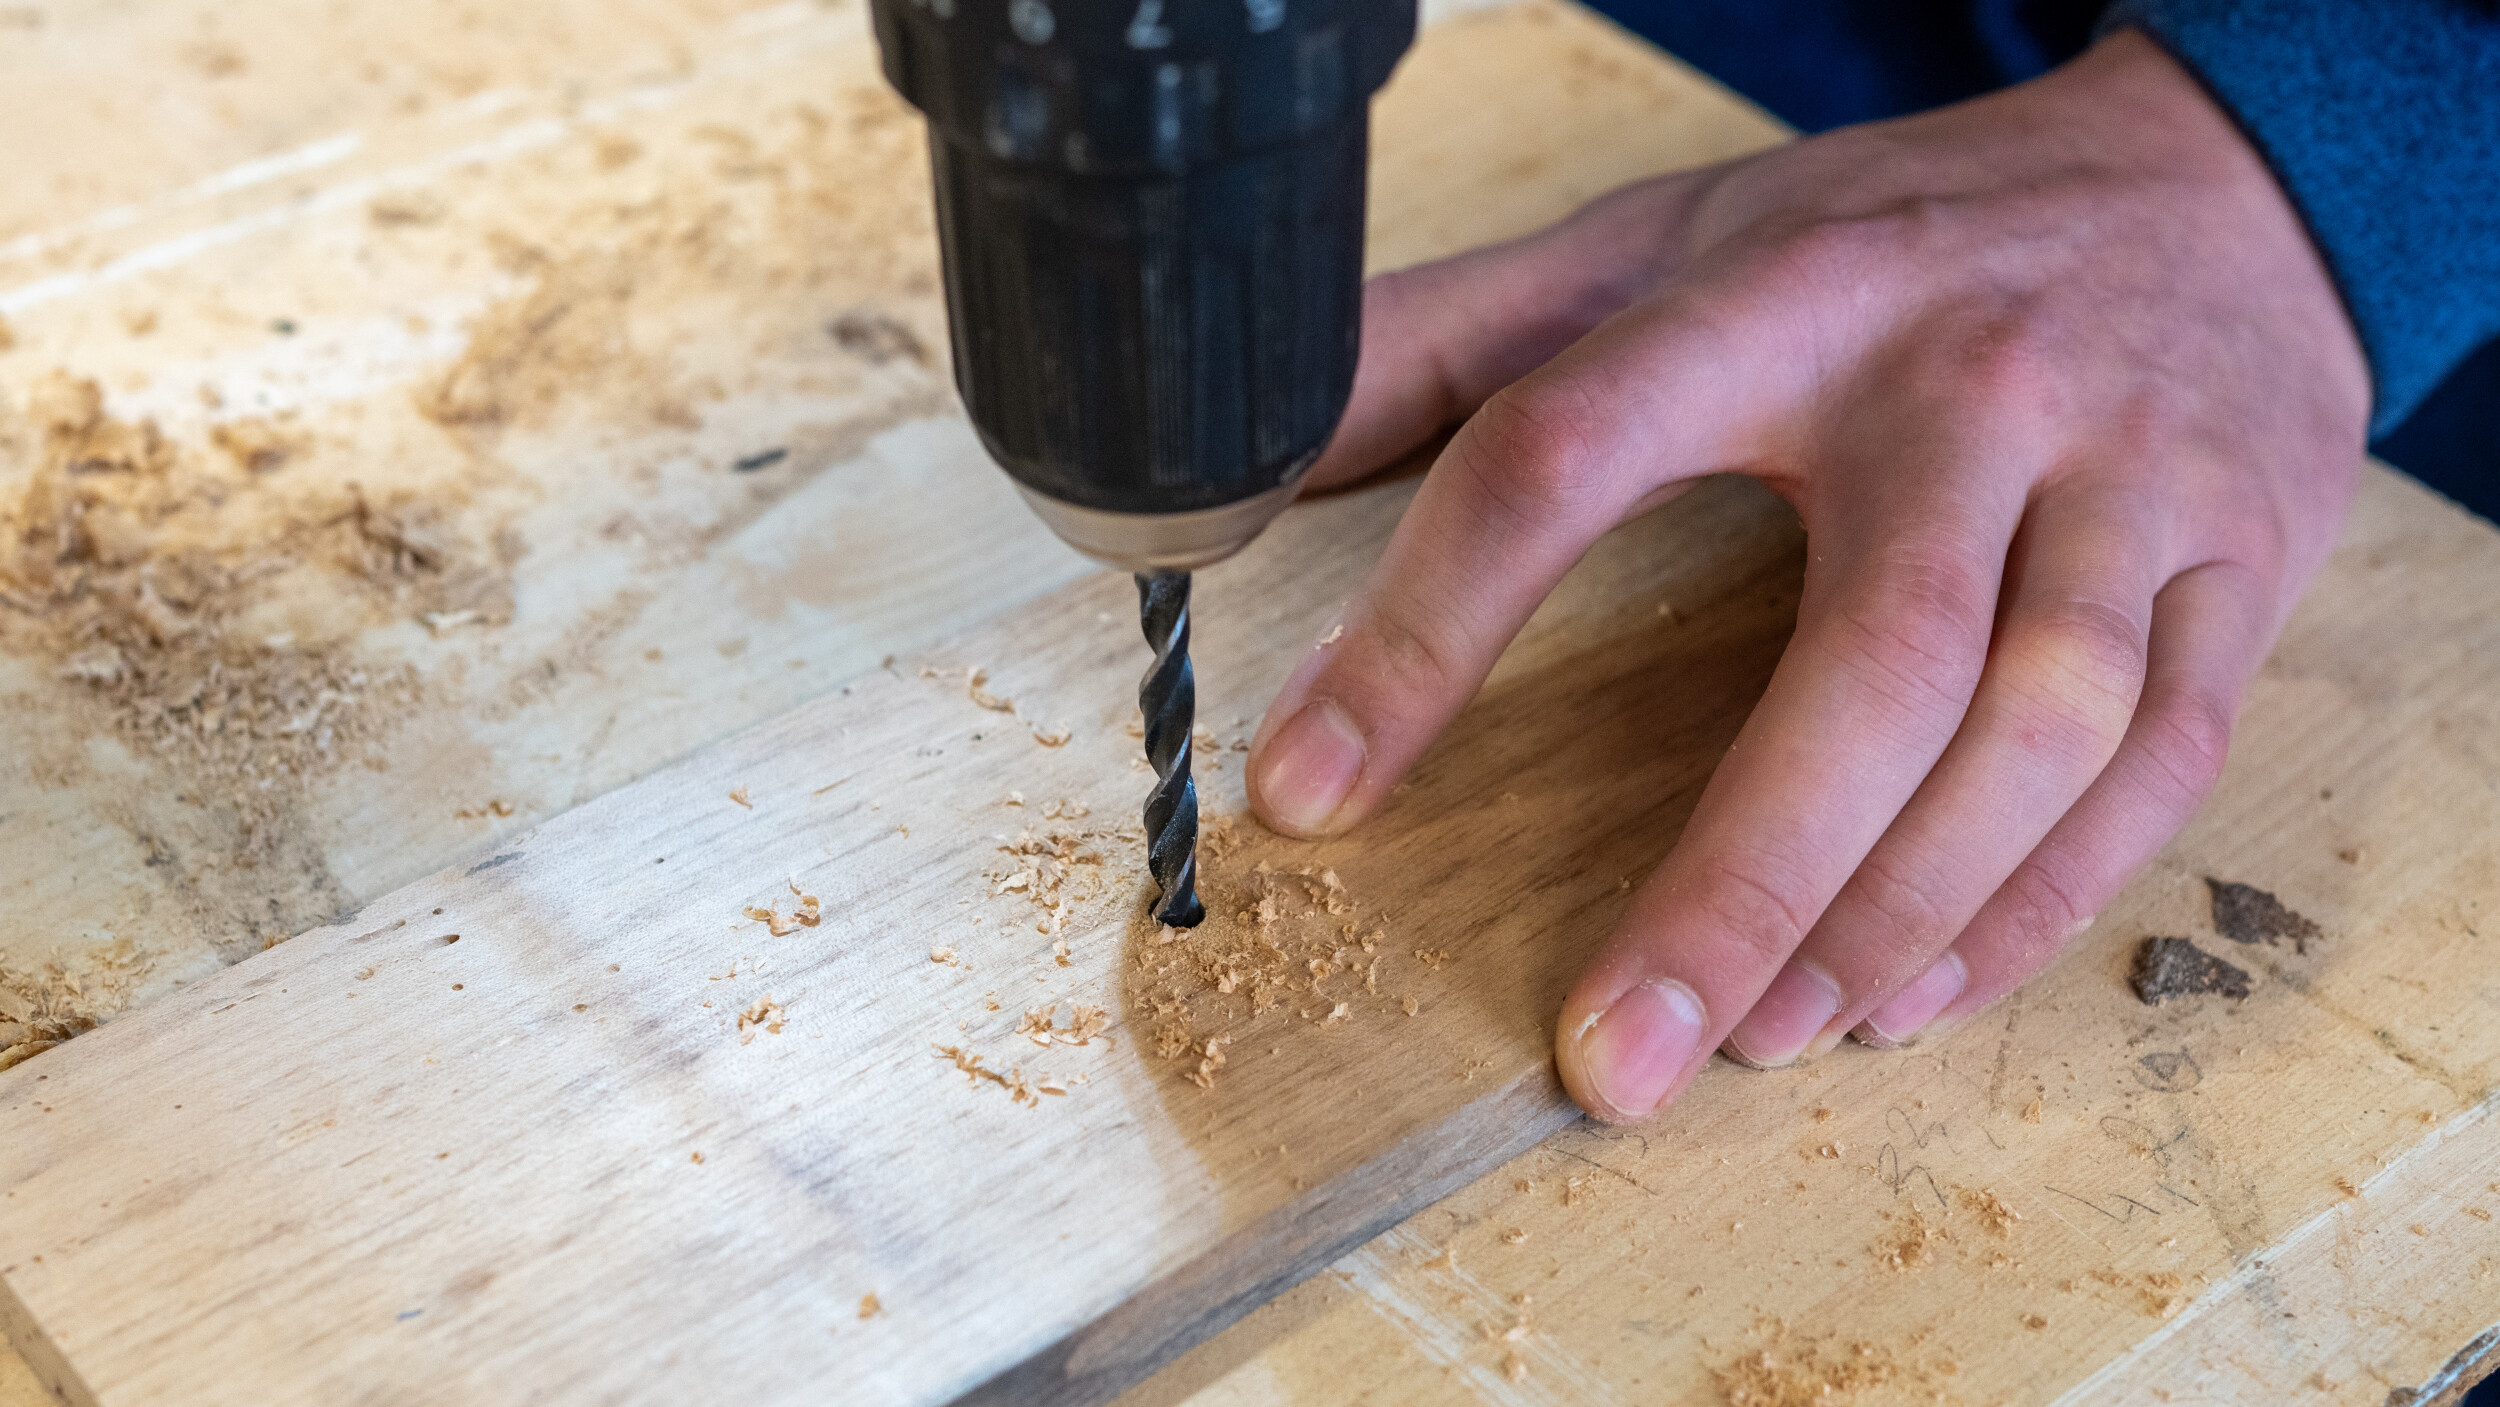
column 63, row 997
column 1789, row 1368
column 1284, row 944
column 1908, row 1244
column 808, row 913
column 2159, row 1294
column 1991, row 1210
column 144, row 571
column 764, row 1015
column 1013, row 1080
column 197, row 601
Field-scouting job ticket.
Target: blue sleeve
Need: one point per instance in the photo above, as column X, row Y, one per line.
column 2382, row 120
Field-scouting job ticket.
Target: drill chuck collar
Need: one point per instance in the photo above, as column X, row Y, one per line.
column 1151, row 217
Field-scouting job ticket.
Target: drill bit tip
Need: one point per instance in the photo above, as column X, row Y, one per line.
column 1169, row 699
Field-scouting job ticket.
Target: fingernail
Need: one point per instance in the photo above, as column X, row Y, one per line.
column 1306, row 770
column 1786, row 1018
column 1898, row 1022
column 1634, row 1051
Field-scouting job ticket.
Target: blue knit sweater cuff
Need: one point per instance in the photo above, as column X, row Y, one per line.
column 2382, row 120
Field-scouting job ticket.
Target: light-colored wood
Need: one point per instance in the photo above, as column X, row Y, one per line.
column 1491, row 176
column 2376, row 1305
column 455, row 1140
column 2316, row 1165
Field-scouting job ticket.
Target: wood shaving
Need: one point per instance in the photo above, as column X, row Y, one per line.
column 2032, row 1111
column 765, row 1015
column 1334, row 635
column 1053, row 737
column 1907, row 1245
column 808, row 914
column 942, row 955
column 2344, row 1185
column 257, row 445
column 2035, row 1321
column 1061, row 953
column 869, row 1306
column 739, row 795
column 1084, row 1023
column 1514, row 1367
column 1517, row 1235
column 1991, row 1209
column 973, row 678
column 65, row 997
column 476, row 813
column 1013, row 1081
column 1210, row 1061
column 1797, row 1370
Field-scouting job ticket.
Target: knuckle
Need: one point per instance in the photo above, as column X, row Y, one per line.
column 1753, row 899
column 2188, row 738
column 2001, row 359
column 1915, row 926
column 1529, row 455
column 2044, row 906
column 1828, row 253
column 1916, row 635
column 2077, row 672
column 1413, row 655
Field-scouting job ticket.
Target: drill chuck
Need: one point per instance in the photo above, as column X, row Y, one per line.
column 1151, row 219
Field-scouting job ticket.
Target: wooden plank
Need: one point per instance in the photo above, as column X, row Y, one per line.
column 2315, row 1166
column 1285, row 1212
column 703, row 191
column 508, row 1132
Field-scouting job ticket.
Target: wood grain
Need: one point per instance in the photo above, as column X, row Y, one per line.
column 1162, row 1212
column 569, row 1245
column 2314, row 1166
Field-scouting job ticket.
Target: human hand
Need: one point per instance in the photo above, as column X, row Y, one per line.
column 2070, row 410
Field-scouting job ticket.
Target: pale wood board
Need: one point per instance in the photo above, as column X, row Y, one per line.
column 691, row 194
column 2412, row 1337
column 1585, row 120
column 2364, row 788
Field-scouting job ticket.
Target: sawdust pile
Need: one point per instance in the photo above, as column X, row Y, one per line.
column 1787, row 1368
column 1991, row 1210
column 1284, row 944
column 1061, row 868
column 527, row 355
column 150, row 575
column 64, row 997
column 830, row 199
column 1909, row 1244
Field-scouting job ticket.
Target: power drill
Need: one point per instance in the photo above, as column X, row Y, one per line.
column 1150, row 214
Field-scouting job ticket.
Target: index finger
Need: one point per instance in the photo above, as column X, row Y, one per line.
column 1439, row 339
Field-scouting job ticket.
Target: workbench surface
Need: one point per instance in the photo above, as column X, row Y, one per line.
column 417, row 421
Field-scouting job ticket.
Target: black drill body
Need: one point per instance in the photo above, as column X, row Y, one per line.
column 1151, row 219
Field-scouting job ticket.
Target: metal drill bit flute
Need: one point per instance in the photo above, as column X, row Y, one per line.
column 1169, row 699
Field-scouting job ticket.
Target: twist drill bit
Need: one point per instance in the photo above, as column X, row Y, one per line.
column 1169, row 699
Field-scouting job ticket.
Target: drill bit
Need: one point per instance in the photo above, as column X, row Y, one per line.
column 1169, row 699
